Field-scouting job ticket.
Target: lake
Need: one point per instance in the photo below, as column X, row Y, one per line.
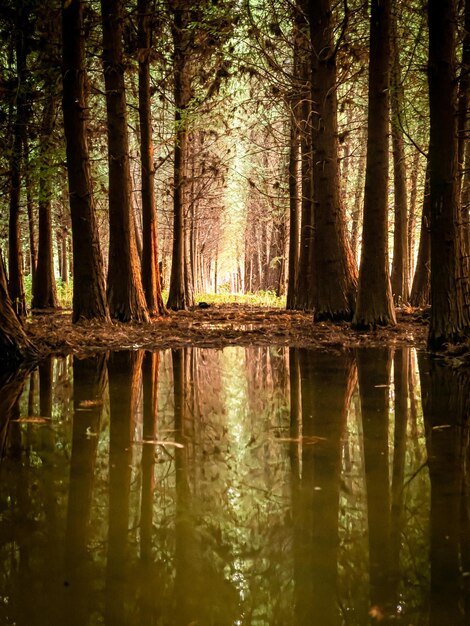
column 237, row 487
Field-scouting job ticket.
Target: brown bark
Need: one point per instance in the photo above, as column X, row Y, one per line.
column 14, row 344
column 450, row 268
column 89, row 296
column 15, row 254
column 45, row 295
column 374, row 299
column 150, row 269
column 421, row 287
column 126, row 298
column 177, row 296
column 400, row 271
column 335, row 271
column 293, row 267
column 305, row 280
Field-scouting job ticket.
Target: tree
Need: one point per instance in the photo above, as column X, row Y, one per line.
column 15, row 255
column 89, row 293
column 14, row 344
column 45, row 294
column 450, row 268
column 178, row 298
column 126, row 298
column 400, row 270
column 334, row 266
column 374, row 300
column 150, row 270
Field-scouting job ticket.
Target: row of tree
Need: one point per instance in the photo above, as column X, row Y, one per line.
column 293, row 77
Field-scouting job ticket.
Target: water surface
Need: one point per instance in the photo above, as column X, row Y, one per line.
column 244, row 486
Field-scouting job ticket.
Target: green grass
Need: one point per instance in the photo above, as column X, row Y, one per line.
column 260, row 298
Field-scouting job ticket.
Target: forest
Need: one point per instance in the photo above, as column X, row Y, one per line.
column 234, row 312
column 159, row 150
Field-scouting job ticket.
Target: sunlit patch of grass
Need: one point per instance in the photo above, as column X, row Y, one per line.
column 260, row 298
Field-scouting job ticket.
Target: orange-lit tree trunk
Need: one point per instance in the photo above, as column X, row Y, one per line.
column 89, row 295
column 126, row 298
column 335, row 273
column 150, row 270
column 374, row 299
column 420, row 290
column 14, row 344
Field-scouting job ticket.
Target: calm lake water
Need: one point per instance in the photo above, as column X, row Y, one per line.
column 236, row 487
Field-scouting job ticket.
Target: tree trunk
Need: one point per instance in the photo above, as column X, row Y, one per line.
column 177, row 296
column 15, row 254
column 293, row 212
column 421, row 288
column 126, row 297
column 464, row 130
column 14, row 344
column 45, row 295
column 89, row 295
column 335, row 271
column 450, row 269
column 150, row 269
column 374, row 299
column 400, row 272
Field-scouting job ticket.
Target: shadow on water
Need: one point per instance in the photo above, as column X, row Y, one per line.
column 244, row 486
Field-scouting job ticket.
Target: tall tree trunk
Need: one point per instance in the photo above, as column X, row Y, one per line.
column 293, row 212
column 177, row 296
column 335, row 271
column 89, row 291
column 126, row 297
column 150, row 269
column 421, row 287
column 400, row 272
column 415, row 171
column 374, row 299
column 45, row 295
column 450, row 268
column 15, row 254
column 464, row 131
column 33, row 254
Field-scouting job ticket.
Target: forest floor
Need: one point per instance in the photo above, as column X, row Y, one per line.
column 216, row 327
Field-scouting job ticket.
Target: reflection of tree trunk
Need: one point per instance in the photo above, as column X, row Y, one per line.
column 150, row 385
column 445, row 394
column 89, row 377
column 184, row 550
column 400, row 363
column 323, row 417
column 11, row 387
column 374, row 377
column 124, row 372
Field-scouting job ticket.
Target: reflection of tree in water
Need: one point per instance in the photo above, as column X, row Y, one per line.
column 446, row 408
column 261, row 510
column 325, row 390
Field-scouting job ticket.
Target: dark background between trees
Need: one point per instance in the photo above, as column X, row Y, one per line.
column 315, row 149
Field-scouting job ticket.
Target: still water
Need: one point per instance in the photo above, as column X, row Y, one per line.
column 236, row 487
